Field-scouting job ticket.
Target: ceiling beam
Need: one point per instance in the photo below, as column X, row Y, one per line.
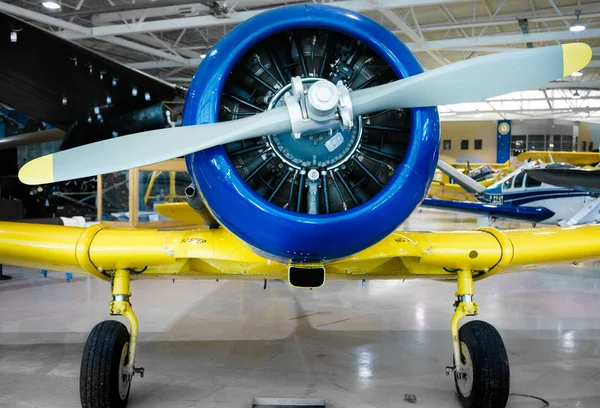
column 594, row 64
column 572, row 85
column 41, row 18
column 547, row 15
column 44, row 19
column 509, row 39
column 412, row 34
column 233, row 18
column 192, row 62
column 144, row 49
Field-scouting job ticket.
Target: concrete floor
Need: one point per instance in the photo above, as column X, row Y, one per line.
column 219, row 344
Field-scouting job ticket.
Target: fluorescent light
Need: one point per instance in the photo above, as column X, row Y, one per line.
column 52, row 5
column 577, row 74
column 202, row 55
column 578, row 26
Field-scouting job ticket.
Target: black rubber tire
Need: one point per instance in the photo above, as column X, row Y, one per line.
column 99, row 377
column 491, row 372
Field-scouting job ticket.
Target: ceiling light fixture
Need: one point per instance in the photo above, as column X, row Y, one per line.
column 51, row 5
column 578, row 26
column 577, row 74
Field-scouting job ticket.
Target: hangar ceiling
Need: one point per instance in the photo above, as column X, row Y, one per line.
column 169, row 38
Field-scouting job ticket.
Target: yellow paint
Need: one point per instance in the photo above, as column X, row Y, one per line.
column 181, row 212
column 463, row 309
column 38, row 171
column 580, row 158
column 575, row 57
column 506, row 251
column 465, row 287
column 218, row 254
column 464, row 279
column 121, row 283
column 82, row 251
column 123, row 308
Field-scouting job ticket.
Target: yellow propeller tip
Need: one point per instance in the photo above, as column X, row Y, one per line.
column 38, row 171
column 575, row 57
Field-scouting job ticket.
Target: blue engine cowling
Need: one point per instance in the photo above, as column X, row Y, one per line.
column 279, row 233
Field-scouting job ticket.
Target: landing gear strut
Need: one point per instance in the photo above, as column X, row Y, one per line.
column 481, row 370
column 107, row 365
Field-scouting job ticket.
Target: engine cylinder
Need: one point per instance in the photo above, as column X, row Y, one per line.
column 323, row 196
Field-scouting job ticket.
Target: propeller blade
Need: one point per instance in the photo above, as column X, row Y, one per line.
column 475, row 79
column 466, row 81
column 145, row 148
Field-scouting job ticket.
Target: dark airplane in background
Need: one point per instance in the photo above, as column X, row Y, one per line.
column 83, row 96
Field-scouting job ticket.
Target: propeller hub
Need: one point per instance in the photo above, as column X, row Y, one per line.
column 327, row 149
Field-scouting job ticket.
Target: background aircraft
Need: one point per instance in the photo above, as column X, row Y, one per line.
column 568, row 177
column 521, row 196
column 309, row 179
column 50, row 82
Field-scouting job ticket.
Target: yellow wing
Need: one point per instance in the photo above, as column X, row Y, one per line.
column 181, row 212
column 446, row 191
column 216, row 253
column 580, row 158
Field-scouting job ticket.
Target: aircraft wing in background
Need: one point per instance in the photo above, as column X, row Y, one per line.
column 519, row 213
column 579, row 158
column 574, row 178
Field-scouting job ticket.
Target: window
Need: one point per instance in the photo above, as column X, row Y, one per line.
column 447, row 144
column 566, row 145
column 464, row 145
column 517, row 144
column 478, row 144
column 536, row 142
column 506, row 185
column 531, row 182
column 583, row 146
column 519, row 180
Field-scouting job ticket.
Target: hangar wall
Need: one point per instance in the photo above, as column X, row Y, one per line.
column 589, row 132
column 457, row 132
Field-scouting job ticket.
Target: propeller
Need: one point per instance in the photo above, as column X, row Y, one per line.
column 466, row 81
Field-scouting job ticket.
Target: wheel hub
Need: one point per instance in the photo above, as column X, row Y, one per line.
column 464, row 377
column 124, row 378
column 321, row 151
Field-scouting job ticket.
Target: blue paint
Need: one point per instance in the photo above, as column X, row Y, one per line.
column 503, row 142
column 271, row 230
column 530, row 196
column 533, row 214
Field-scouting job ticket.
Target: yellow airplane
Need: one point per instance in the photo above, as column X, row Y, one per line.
column 310, row 134
column 577, row 158
column 442, row 189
